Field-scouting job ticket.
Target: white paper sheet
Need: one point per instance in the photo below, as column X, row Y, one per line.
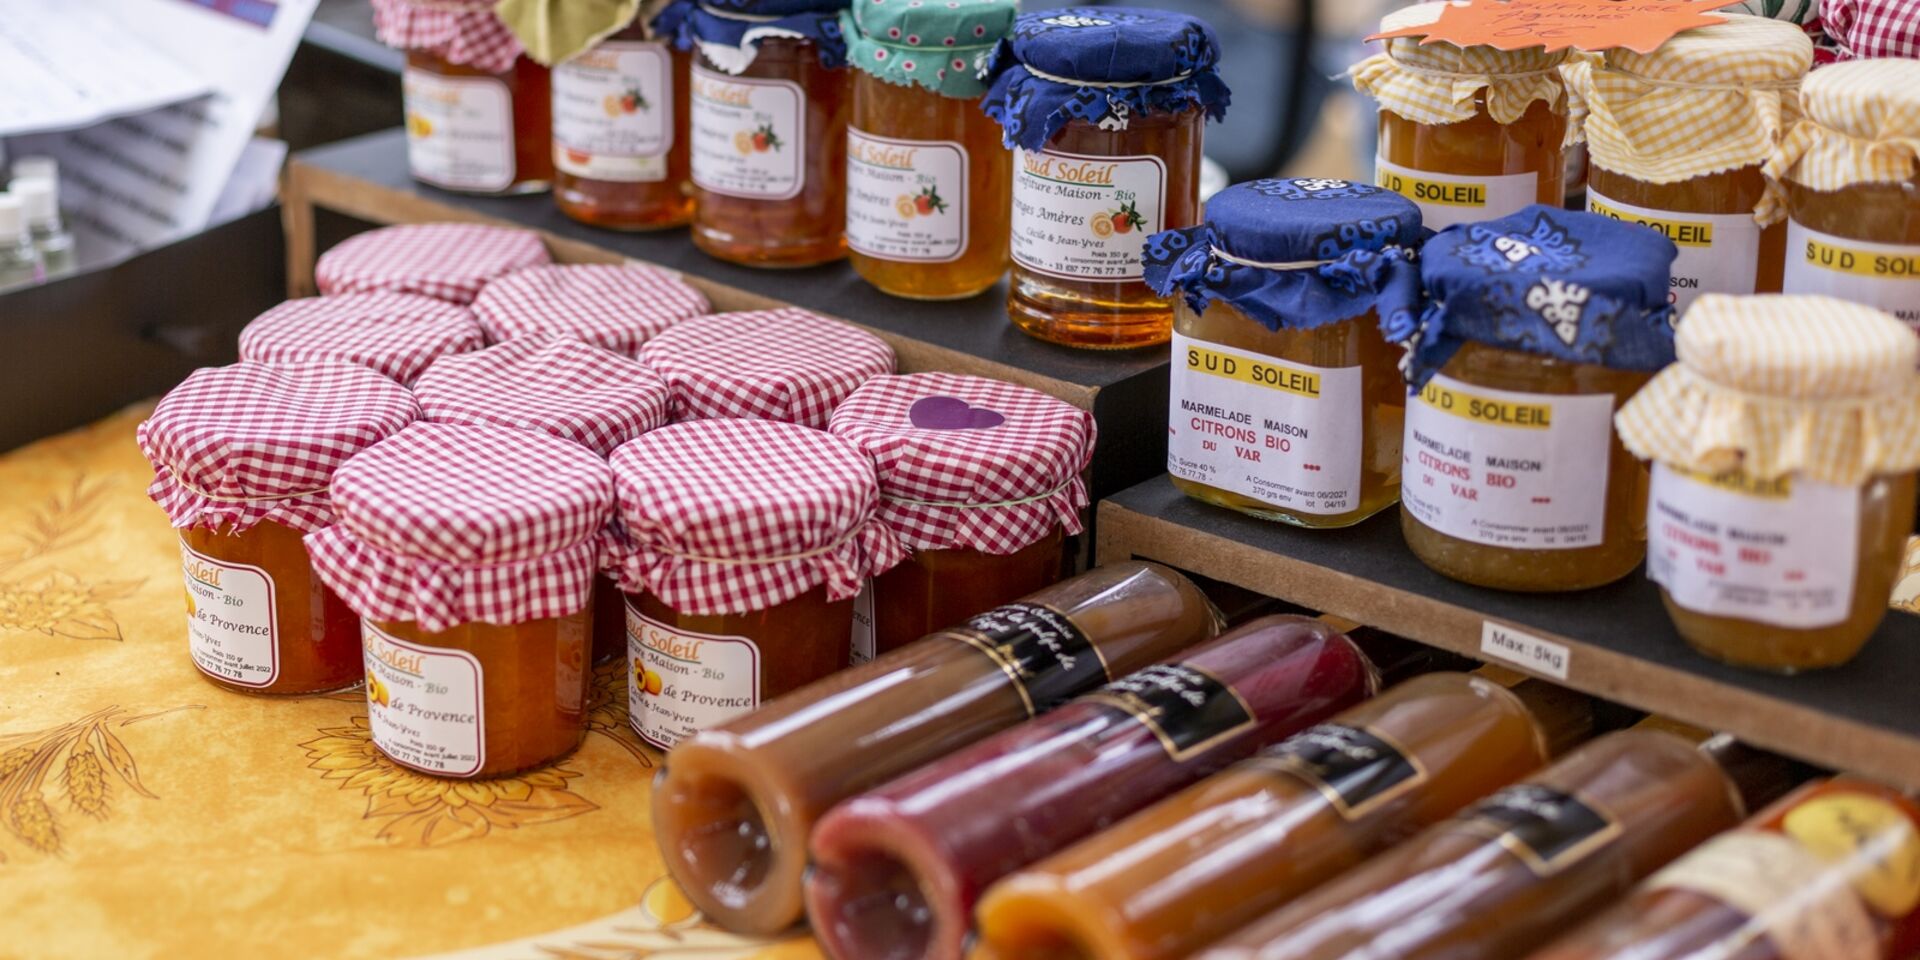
column 69, row 63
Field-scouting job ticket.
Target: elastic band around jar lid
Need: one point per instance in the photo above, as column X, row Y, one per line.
column 1102, row 85
column 1023, row 501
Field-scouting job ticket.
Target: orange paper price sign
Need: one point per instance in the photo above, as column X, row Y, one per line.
column 1640, row 25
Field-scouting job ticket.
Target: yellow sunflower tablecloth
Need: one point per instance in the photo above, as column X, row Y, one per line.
column 147, row 813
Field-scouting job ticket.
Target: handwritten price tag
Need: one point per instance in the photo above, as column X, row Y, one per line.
column 1592, row 25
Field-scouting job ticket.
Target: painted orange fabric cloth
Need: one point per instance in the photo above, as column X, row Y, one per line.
column 145, row 812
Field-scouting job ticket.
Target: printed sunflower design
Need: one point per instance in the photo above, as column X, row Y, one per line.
column 83, row 759
column 423, row 811
column 607, row 710
column 53, row 602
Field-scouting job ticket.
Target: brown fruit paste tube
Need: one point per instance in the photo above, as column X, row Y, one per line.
column 735, row 804
column 897, row 870
column 1220, row 854
column 1514, row 869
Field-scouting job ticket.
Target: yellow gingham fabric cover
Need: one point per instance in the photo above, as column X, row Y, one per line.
column 1779, row 384
column 1707, row 101
column 1861, row 125
column 1438, row 83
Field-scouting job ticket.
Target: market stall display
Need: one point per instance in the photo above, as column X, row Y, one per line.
column 618, row 307
column 786, row 364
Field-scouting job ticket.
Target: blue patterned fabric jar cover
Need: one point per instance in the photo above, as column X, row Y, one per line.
column 1101, row 65
column 729, row 32
column 1576, row 287
column 1297, row 253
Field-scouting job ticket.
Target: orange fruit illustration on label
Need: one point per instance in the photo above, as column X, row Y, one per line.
column 610, row 104
column 903, row 205
column 377, row 691
column 765, row 139
column 1126, row 218
column 419, row 126
column 646, row 681
column 743, row 142
column 193, row 609
column 1101, row 226
column 654, row 683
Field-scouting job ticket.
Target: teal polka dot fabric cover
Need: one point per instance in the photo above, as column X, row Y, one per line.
column 935, row 44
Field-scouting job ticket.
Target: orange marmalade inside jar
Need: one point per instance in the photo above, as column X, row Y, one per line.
column 769, row 155
column 315, row 646
column 1677, row 137
column 1471, row 159
column 1848, row 183
column 474, row 131
column 1286, row 400
column 1104, row 108
column 620, row 133
column 1541, row 325
column 927, row 177
column 1772, row 553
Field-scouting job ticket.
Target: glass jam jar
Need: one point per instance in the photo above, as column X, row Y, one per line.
column 1846, row 178
column 768, row 129
column 564, row 388
column 1088, row 190
column 1771, row 552
column 1544, row 322
column 981, row 479
column 620, row 134
column 1677, row 138
column 475, row 621
column 1286, row 399
column 242, row 457
column 745, row 543
column 786, row 364
column 1466, row 159
column 928, row 182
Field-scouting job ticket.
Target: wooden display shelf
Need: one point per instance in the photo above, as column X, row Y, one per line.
column 1613, row 642
column 364, row 180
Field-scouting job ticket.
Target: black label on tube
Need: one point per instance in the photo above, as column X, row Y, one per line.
column 1548, row 829
column 1356, row 769
column 1187, row 709
column 1042, row 651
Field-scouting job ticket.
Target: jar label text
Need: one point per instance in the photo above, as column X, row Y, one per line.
column 1357, row 770
column 1086, row 218
column 613, row 112
column 425, row 705
column 864, row 644
column 1549, row 830
column 1449, row 198
column 1282, row 433
column 1782, row 552
column 1718, row 253
column 1519, row 470
column 749, row 136
column 680, row 682
column 232, row 629
column 459, row 130
column 906, row 199
column 1188, row 709
column 1881, row 275
column 1046, row 655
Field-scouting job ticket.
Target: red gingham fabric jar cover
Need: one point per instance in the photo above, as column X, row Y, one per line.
column 449, row 261
column 607, row 305
column 397, row 334
column 444, row 525
column 1871, row 29
column 465, row 32
column 238, row 445
column 969, row 462
column 560, row 387
column 736, row 516
column 786, row 364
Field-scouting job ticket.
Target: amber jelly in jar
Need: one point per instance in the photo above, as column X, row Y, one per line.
column 1847, row 179
column 770, row 96
column 1466, row 158
column 1772, row 553
column 1541, row 325
column 1287, row 401
column 1103, row 109
column 620, row 152
column 1678, row 136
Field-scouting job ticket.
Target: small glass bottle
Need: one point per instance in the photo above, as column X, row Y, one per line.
column 1853, row 210
column 242, row 457
column 1770, row 553
column 928, row 182
column 981, row 480
column 41, row 199
column 769, row 107
column 475, row 621
column 620, row 133
column 1543, row 324
column 1462, row 157
column 20, row 263
column 1286, row 399
column 1730, row 87
column 1089, row 189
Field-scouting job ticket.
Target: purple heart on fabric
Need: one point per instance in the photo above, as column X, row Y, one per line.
column 951, row 413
